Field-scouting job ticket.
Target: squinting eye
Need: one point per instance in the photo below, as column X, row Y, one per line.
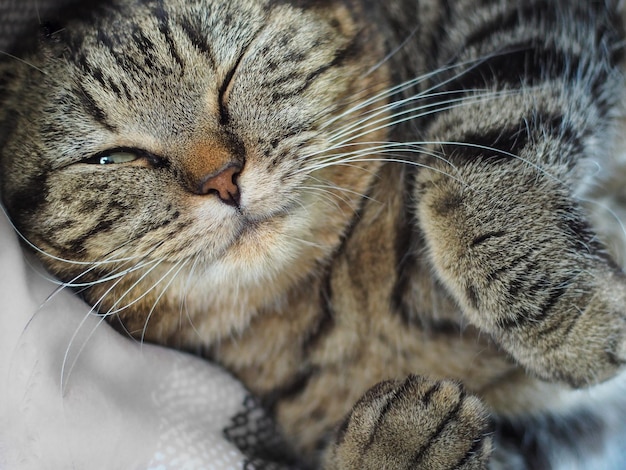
column 119, row 156
column 113, row 158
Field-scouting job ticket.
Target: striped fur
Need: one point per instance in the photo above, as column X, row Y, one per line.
column 367, row 211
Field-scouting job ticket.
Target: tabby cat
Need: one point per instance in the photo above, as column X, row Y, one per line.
column 367, row 211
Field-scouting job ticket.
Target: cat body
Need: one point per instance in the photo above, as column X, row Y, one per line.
column 367, row 212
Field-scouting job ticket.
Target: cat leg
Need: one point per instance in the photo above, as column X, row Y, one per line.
column 540, row 86
column 410, row 424
column 511, row 244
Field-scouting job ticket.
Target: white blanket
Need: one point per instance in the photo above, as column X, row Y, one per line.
column 76, row 394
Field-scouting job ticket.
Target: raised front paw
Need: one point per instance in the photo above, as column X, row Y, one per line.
column 520, row 258
column 413, row 424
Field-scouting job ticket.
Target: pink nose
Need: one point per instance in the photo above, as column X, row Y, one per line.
column 224, row 184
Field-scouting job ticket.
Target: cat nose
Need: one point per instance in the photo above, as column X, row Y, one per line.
column 223, row 183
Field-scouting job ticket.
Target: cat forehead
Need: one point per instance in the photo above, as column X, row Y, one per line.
column 201, row 41
column 220, row 24
column 157, row 71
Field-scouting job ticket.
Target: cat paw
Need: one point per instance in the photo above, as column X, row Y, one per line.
column 413, row 424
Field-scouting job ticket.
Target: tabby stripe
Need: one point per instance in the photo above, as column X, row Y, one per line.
column 224, row 115
column 89, row 104
column 403, row 247
column 166, row 30
column 326, row 320
column 502, row 144
column 542, row 285
column 396, row 394
column 508, row 20
column 475, row 450
column 534, row 319
column 77, row 245
column 486, row 236
column 555, row 295
column 497, row 143
column 343, row 428
column 346, row 53
column 426, row 399
column 523, row 277
column 523, row 63
column 113, row 87
column 125, row 62
column 549, row 328
column 473, row 298
column 419, row 455
column 105, row 40
column 98, row 74
column 291, row 389
column 198, row 40
column 496, row 274
column 143, row 42
column 442, row 27
column 511, row 323
column 356, row 218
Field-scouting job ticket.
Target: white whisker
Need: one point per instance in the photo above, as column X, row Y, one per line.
column 180, row 264
column 391, row 121
column 19, row 59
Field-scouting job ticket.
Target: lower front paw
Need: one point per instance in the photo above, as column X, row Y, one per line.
column 413, row 424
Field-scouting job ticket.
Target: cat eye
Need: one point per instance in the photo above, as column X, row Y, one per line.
column 120, row 156
column 115, row 157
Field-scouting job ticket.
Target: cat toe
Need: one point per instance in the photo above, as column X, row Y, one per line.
column 414, row 424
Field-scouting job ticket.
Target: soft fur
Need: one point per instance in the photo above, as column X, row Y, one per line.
column 367, row 211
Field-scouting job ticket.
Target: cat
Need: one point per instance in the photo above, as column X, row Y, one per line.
column 367, row 211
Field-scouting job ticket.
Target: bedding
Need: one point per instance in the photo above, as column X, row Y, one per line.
column 76, row 394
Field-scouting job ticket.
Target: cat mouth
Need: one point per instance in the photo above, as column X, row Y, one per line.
column 258, row 230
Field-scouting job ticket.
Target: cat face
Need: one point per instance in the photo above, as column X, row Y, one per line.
column 190, row 152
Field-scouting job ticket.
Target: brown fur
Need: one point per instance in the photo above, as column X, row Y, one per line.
column 350, row 292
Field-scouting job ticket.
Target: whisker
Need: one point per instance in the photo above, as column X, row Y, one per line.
column 113, row 310
column 25, row 62
column 379, row 147
column 66, row 365
column 382, row 110
column 395, row 160
column 56, row 258
column 332, row 186
column 389, row 122
column 184, row 306
column 501, row 152
column 472, row 63
column 327, row 195
column 67, row 368
column 114, row 275
column 182, row 264
column 393, row 52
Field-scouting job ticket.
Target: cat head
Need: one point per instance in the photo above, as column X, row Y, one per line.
column 205, row 153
